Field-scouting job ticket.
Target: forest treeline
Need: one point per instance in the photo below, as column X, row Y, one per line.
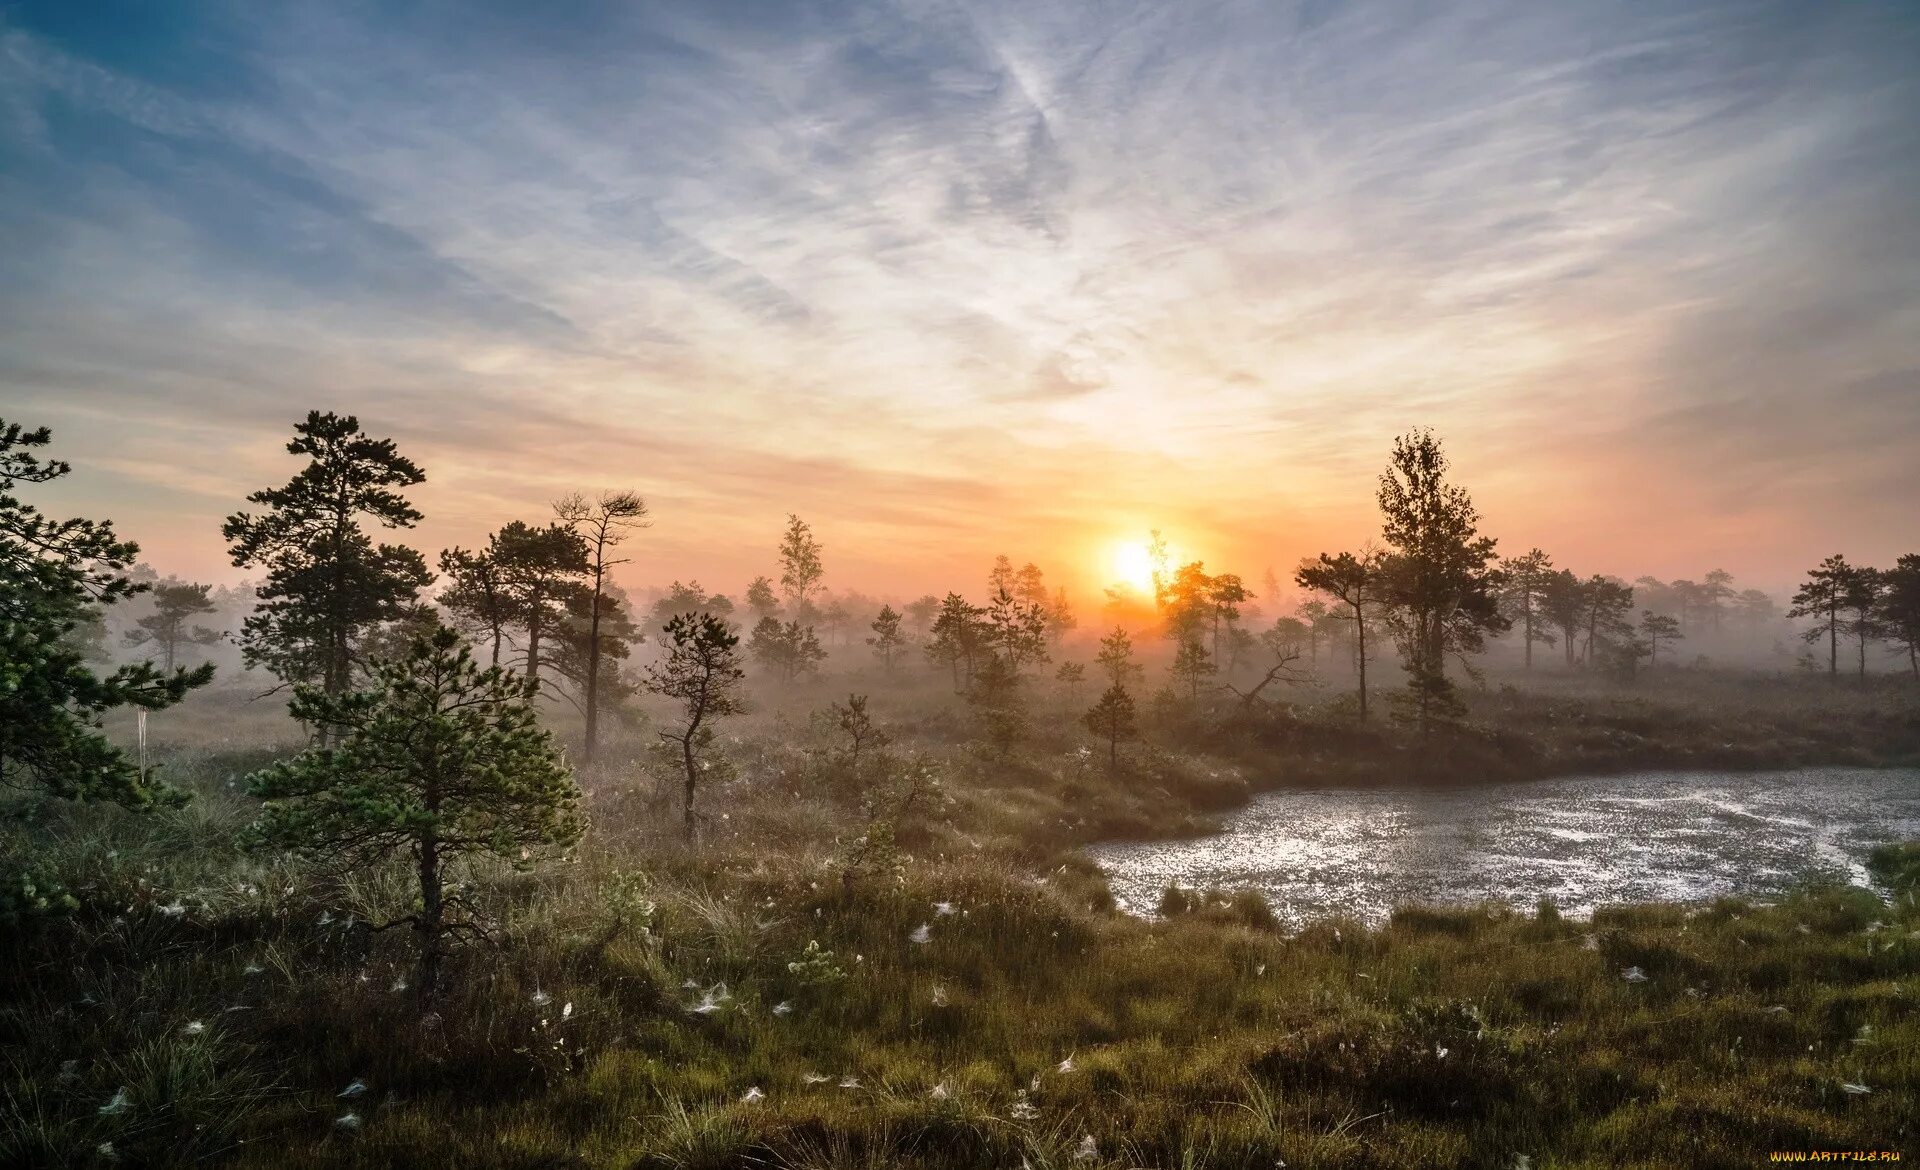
column 332, row 600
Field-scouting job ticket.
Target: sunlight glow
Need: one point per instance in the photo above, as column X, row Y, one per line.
column 1133, row 566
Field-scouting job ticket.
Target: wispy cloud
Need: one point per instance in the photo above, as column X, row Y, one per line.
column 963, row 274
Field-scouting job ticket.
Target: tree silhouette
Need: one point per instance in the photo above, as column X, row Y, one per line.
column 602, row 524
column 327, row 584
column 760, row 598
column 1355, row 582
column 1657, row 628
column 801, row 569
column 702, row 675
column 958, row 639
column 544, row 570
column 1527, row 580
column 55, row 575
column 174, row 604
column 1607, row 607
column 1901, row 607
column 1439, row 586
column 1112, row 719
column 1115, row 659
column 476, row 595
column 887, row 641
column 1822, row 596
column 1192, row 666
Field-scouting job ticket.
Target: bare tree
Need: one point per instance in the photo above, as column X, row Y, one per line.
column 603, row 524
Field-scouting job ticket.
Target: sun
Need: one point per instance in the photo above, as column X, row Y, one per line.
column 1132, row 565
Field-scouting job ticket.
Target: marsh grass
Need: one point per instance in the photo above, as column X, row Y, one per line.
column 975, row 1001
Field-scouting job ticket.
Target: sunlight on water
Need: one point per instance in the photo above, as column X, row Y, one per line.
column 1584, row 841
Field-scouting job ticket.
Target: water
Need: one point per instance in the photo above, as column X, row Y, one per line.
column 1581, row 841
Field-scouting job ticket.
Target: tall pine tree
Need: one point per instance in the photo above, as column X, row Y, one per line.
column 54, row 577
column 327, row 583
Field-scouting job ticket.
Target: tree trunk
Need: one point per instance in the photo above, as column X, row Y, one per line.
column 693, row 776
column 1833, row 642
column 593, row 675
column 427, row 926
column 1360, row 656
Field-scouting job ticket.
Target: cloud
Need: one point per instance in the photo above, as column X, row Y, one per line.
column 990, row 268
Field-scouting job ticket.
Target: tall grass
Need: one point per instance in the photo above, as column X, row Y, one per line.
column 969, row 999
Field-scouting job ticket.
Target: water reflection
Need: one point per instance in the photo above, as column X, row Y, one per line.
column 1582, row 841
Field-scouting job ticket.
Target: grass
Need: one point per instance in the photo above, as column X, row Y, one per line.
column 1034, row 1024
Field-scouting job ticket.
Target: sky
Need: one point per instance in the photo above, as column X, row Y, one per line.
column 952, row 278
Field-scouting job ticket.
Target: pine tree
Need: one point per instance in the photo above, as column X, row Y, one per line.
column 1225, row 594
column 1716, row 590
column 1071, row 675
column 1439, row 584
column 1606, row 609
column 1192, row 665
column 476, row 595
column 1527, row 579
column 1016, row 631
column 887, row 640
column 791, row 649
column 1901, row 607
column 602, row 524
column 1355, row 582
column 55, row 575
column 760, row 598
column 1561, row 600
column 327, row 583
column 702, row 676
column 801, row 569
column 958, row 639
column 436, row 760
column 544, row 570
column 1112, row 719
column 175, row 603
column 1823, row 596
column 921, row 611
column 1657, row 628
column 586, row 648
column 1115, row 659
